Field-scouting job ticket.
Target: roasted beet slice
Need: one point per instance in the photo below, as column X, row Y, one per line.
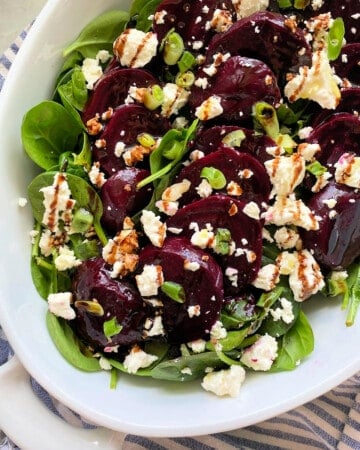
column 200, row 277
column 223, row 212
column 239, row 82
column 246, row 177
column 348, row 64
column 195, row 21
column 266, row 36
column 337, row 243
column 350, row 103
column 112, row 89
column 118, row 299
column 339, row 134
column 120, row 197
column 127, row 122
column 211, row 139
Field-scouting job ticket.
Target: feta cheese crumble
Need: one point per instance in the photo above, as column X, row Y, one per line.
column 138, row 359
column 60, row 305
column 134, row 48
column 225, row 382
column 261, row 355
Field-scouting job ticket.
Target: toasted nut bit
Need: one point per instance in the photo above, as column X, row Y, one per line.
column 136, row 154
column 94, row 126
column 233, row 210
column 121, row 251
column 90, row 306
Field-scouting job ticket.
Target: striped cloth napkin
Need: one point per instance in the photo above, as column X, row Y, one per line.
column 332, row 421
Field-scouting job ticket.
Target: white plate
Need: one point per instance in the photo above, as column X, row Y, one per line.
column 139, row 406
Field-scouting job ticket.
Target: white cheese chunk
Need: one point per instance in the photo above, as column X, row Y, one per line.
column 60, row 305
column 138, row 359
column 261, row 355
column 209, row 108
column 317, row 83
column 285, row 172
column 306, row 279
column 154, row 229
column 348, row 170
column 225, row 382
column 134, row 48
column 150, row 279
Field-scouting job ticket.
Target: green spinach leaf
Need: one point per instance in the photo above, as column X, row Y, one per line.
column 68, row 345
column 295, row 345
column 47, row 131
column 99, row 34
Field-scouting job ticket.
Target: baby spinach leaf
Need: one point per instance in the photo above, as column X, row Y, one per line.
column 74, row 91
column 295, row 345
column 186, row 368
column 353, row 297
column 145, row 10
column 41, row 278
column 172, row 149
column 47, row 131
column 68, row 345
column 232, row 340
column 278, row 328
column 99, row 34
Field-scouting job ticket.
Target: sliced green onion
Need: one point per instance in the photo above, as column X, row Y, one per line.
column 146, row 140
column 111, row 327
column 153, row 97
column 214, row 176
column 173, row 48
column 284, row 4
column 315, row 168
column 335, row 38
column 234, row 138
column 265, row 115
column 186, row 62
column 185, row 79
column 113, row 378
column 173, row 290
column 301, row 4
column 90, row 306
column 82, row 221
column 222, row 241
column 286, row 142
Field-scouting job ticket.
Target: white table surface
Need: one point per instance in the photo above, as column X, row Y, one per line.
column 14, row 16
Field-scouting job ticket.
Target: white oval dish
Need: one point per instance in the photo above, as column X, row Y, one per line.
column 139, row 406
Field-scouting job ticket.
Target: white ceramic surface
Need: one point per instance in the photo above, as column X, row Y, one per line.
column 15, row 16
column 139, row 406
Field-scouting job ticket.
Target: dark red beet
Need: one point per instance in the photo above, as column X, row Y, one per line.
column 210, row 139
column 118, row 299
column 190, row 20
column 348, row 64
column 125, row 125
column 203, row 287
column 120, row 197
column 339, row 134
column 337, row 243
column 239, row 83
column 231, row 163
column 268, row 37
column 112, row 89
column 350, row 103
column 222, row 211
